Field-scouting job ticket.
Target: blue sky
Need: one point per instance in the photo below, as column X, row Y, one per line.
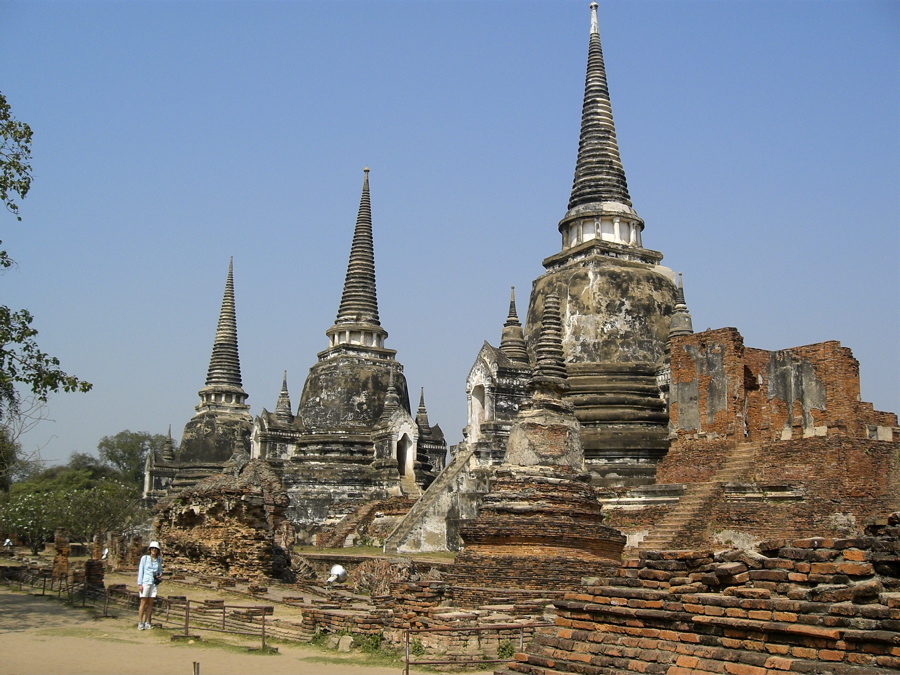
column 760, row 139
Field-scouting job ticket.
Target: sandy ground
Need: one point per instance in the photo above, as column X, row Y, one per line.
column 41, row 635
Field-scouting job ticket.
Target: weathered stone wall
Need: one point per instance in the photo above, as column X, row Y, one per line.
column 816, row 605
column 213, row 437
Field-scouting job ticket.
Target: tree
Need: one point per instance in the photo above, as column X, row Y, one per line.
column 108, row 506
column 15, row 161
column 127, row 451
column 83, row 472
column 9, row 456
column 33, row 517
column 21, row 361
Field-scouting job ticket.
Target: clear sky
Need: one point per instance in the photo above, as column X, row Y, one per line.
column 760, row 139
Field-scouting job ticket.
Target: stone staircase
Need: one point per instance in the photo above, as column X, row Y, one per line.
column 679, row 522
column 457, row 464
column 409, row 487
column 348, row 525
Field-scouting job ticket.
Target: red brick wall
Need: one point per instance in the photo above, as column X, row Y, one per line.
column 753, row 394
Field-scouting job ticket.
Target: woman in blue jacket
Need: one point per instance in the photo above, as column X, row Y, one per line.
column 149, row 576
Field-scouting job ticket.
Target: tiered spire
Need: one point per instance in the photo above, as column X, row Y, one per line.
column 600, row 208
column 512, row 340
column 599, row 175
column 550, row 367
column 223, row 391
column 168, row 451
column 357, row 319
column 225, row 365
column 391, row 398
column 283, row 406
column 682, row 323
column 422, row 417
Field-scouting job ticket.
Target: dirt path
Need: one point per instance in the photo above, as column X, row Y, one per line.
column 42, row 635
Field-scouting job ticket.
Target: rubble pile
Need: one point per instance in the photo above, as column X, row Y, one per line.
column 228, row 524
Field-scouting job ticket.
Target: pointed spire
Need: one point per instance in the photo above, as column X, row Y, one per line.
column 512, row 340
column 168, row 451
column 391, row 398
column 422, row 417
column 681, row 323
column 358, row 311
column 283, row 406
column 599, row 175
column 225, row 365
column 359, row 303
column 550, row 374
column 223, row 389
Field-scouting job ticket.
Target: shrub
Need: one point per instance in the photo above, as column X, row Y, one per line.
column 416, row 648
column 506, row 650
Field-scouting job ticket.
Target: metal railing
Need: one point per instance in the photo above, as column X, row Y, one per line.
column 521, row 627
column 248, row 620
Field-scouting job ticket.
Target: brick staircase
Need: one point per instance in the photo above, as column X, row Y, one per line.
column 678, row 523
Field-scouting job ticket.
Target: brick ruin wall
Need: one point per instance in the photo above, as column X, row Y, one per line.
column 723, row 390
column 823, row 462
column 232, row 525
column 817, row 605
column 812, row 486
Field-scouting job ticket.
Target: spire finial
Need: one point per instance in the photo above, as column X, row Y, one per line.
column 681, row 322
column 422, row 417
column 168, row 451
column 549, row 381
column 512, row 340
column 512, row 303
column 225, row 364
column 599, row 176
column 359, row 302
column 283, row 405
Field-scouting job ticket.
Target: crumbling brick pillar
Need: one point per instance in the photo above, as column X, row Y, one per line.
column 134, row 551
column 93, row 573
column 61, row 559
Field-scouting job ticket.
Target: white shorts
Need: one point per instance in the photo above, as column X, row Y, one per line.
column 149, row 591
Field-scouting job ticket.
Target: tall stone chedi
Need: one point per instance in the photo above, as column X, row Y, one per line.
column 221, row 425
column 353, row 439
column 616, row 302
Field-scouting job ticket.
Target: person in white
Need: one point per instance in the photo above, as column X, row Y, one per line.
column 148, row 578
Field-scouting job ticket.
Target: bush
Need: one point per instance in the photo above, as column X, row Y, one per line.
column 416, row 648
column 371, row 643
column 506, row 650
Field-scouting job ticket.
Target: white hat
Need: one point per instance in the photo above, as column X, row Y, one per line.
column 154, row 544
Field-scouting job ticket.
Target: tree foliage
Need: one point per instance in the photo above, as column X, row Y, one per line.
column 33, row 517
column 108, row 506
column 85, row 497
column 21, row 360
column 15, row 161
column 127, row 451
column 9, row 456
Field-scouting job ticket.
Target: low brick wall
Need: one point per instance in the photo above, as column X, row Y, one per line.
column 815, row 605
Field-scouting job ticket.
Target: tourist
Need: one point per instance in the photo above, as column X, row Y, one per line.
column 149, row 576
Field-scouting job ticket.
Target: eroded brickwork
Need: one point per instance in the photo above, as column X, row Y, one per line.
column 723, row 390
column 817, row 605
column 228, row 525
